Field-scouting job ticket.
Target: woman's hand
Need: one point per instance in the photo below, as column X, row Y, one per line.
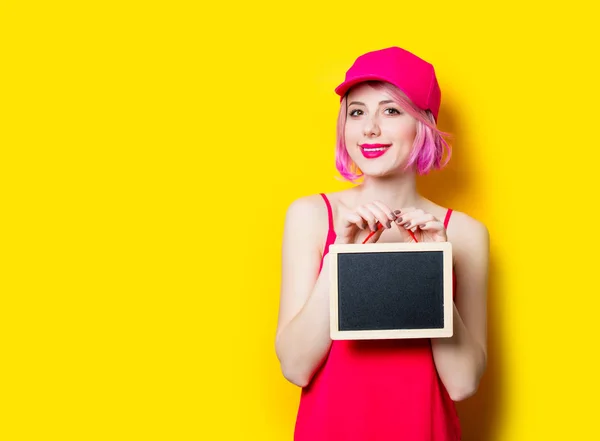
column 358, row 224
column 424, row 226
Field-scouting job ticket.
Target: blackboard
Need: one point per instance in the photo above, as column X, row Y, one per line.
column 391, row 290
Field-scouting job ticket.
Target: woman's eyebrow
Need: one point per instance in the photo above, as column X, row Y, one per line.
column 380, row 102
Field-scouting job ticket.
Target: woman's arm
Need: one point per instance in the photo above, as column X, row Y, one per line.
column 461, row 360
column 303, row 338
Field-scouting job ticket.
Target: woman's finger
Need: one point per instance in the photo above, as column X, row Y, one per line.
column 405, row 210
column 351, row 224
column 368, row 216
column 380, row 215
column 407, row 215
column 375, row 237
column 405, row 235
column 434, row 225
column 387, row 210
column 354, row 219
column 416, row 220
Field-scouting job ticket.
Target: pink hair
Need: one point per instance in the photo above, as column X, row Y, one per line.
column 428, row 147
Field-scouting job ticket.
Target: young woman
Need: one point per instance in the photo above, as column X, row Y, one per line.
column 381, row 389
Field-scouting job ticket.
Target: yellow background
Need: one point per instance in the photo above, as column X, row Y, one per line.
column 150, row 150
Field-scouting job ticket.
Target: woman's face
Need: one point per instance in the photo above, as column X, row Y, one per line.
column 379, row 134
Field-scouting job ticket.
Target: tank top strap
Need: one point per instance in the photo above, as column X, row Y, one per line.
column 447, row 219
column 329, row 211
column 331, row 236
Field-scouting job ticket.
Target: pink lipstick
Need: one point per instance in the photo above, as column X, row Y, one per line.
column 372, row 151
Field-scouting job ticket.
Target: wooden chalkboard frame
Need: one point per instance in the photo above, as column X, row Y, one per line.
column 446, row 331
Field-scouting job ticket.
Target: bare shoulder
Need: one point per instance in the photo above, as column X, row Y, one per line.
column 467, row 234
column 466, row 230
column 470, row 239
column 307, row 217
column 461, row 226
column 307, row 210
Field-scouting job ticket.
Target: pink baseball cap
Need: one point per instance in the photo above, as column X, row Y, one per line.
column 409, row 73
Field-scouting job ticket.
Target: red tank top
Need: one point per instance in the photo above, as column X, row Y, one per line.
column 376, row 390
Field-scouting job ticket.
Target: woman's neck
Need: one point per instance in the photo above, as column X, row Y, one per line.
column 395, row 191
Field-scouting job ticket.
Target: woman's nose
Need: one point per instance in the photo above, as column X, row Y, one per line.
column 371, row 127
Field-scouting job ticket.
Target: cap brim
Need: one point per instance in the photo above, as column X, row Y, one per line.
column 343, row 88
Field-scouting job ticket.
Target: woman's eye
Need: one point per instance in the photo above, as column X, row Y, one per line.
column 393, row 111
column 355, row 112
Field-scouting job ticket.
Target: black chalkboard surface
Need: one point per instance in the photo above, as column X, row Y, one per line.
column 391, row 290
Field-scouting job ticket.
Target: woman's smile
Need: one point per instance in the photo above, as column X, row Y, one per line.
column 372, row 151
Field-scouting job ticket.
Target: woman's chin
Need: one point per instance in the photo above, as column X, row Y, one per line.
column 379, row 171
